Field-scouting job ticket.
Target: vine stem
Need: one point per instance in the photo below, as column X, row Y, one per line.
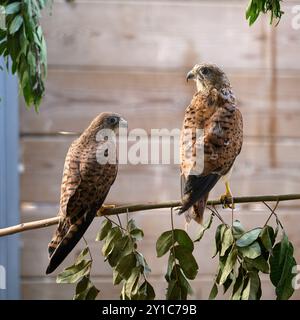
column 143, row 207
column 87, row 245
column 173, row 241
column 273, row 213
column 115, row 223
column 215, row 212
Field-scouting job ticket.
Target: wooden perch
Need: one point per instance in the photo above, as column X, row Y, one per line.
column 142, row 207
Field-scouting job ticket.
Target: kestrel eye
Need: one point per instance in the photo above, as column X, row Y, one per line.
column 113, row 120
column 205, row 71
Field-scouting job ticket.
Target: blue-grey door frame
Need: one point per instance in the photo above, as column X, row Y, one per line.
column 9, row 185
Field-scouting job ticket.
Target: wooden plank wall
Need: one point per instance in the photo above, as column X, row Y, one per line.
column 131, row 57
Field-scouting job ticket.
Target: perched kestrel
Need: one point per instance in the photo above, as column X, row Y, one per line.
column 212, row 109
column 85, row 184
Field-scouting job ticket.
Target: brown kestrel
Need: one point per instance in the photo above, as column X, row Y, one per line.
column 212, row 109
column 86, row 181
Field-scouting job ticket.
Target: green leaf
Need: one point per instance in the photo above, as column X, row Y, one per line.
column 252, row 288
column 116, row 277
column 85, row 290
column 219, row 234
column 82, row 255
column 142, row 262
column 238, row 285
column 255, row 286
column 125, row 265
column 122, row 247
column 248, row 237
column 174, row 291
column 12, row 8
column 131, row 225
column 146, row 291
column 259, row 263
column 227, row 241
column 213, row 292
column 252, row 251
column 246, row 292
column 75, row 272
column 205, row 227
column 230, row 279
column 171, row 262
column 282, row 263
column 164, row 243
column 277, row 261
column 3, row 46
column 249, row 10
column 105, row 228
column 111, row 239
column 237, row 229
column 137, row 234
column 229, row 264
column 186, row 261
column 132, row 287
column 183, row 239
column 183, row 282
column 267, row 238
column 15, row 24
column 27, row 91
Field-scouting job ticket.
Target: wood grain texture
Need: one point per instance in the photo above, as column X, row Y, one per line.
column 288, row 37
column 152, row 34
column 43, row 162
column 147, row 99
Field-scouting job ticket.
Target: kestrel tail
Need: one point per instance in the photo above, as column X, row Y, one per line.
column 208, row 156
column 89, row 171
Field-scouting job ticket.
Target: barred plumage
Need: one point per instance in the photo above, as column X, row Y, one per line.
column 85, row 185
column 213, row 110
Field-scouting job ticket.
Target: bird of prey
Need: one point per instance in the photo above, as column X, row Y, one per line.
column 85, row 184
column 208, row 156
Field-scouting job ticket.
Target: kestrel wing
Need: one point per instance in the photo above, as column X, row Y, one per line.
column 223, row 140
column 197, row 187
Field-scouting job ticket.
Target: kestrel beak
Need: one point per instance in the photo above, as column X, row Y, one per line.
column 190, row 75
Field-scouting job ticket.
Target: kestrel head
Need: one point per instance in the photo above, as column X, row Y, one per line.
column 108, row 120
column 208, row 76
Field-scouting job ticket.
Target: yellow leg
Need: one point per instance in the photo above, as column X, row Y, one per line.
column 104, row 207
column 225, row 198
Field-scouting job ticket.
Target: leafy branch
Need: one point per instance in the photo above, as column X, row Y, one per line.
column 243, row 255
column 79, row 273
column 181, row 264
column 256, row 7
column 22, row 40
column 129, row 265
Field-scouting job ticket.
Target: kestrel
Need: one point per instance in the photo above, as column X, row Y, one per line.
column 86, row 181
column 212, row 109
